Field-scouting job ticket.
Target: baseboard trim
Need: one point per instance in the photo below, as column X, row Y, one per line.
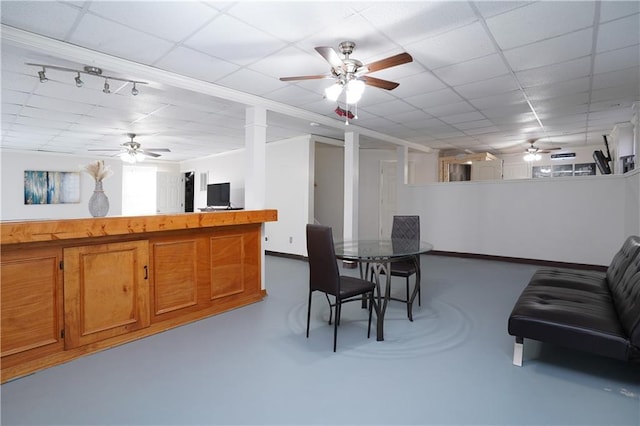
column 538, row 262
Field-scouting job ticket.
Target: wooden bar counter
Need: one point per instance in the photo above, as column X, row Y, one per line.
column 74, row 287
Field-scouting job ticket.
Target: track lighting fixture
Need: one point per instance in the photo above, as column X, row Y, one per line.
column 43, row 78
column 87, row 70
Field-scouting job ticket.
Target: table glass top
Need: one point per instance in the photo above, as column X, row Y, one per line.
column 374, row 249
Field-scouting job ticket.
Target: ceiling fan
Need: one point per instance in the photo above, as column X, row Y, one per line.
column 347, row 70
column 131, row 151
column 536, row 150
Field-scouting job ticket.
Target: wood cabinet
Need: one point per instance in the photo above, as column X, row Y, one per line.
column 31, row 304
column 64, row 295
column 106, row 291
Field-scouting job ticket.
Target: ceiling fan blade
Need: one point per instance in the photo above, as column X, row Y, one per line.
column 150, row 154
column 305, row 77
column 105, row 149
column 331, row 56
column 391, row 61
column 157, row 150
column 377, row 82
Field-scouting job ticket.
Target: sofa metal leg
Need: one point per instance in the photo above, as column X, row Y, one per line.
column 517, row 351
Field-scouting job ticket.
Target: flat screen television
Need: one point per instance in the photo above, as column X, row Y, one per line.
column 219, row 195
column 601, row 161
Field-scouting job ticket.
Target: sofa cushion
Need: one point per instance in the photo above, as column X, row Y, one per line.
column 626, row 298
column 570, row 317
column 592, row 281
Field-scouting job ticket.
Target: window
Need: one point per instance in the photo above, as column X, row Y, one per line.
column 138, row 190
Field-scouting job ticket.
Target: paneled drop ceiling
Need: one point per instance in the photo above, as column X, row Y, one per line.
column 486, row 76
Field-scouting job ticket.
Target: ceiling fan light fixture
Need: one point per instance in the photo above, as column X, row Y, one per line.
column 134, row 90
column 127, row 157
column 532, row 157
column 79, row 82
column 333, row 92
column 355, row 89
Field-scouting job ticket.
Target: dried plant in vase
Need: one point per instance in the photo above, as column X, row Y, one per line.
column 98, row 170
column 99, row 202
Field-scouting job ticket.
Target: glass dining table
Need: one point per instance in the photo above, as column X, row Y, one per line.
column 378, row 255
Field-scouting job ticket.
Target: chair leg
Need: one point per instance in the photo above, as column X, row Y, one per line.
column 308, row 313
column 408, row 299
column 370, row 311
column 517, row 351
column 330, row 307
column 335, row 326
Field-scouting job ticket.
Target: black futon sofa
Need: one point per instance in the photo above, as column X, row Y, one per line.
column 593, row 311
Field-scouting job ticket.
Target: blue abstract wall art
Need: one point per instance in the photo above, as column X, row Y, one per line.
column 42, row 187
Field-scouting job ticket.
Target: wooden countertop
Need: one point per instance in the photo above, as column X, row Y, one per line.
column 16, row 232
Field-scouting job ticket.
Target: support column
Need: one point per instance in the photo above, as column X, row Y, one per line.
column 351, row 184
column 255, row 158
column 403, row 165
column 255, row 176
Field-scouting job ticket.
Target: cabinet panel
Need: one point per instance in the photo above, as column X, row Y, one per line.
column 227, row 265
column 174, row 266
column 106, row 291
column 31, row 306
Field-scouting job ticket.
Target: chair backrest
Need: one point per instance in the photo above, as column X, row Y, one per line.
column 406, row 227
column 323, row 267
column 626, row 298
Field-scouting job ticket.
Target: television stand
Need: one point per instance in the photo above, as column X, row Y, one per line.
column 219, row 209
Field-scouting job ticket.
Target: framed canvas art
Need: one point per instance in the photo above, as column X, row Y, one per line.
column 42, row 187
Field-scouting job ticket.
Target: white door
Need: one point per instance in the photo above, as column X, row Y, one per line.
column 486, row 170
column 169, row 193
column 387, row 197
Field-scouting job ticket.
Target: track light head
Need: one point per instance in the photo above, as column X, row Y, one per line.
column 134, row 90
column 79, row 83
column 43, row 78
column 106, row 87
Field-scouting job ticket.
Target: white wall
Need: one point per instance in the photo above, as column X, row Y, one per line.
column 14, row 163
column 632, row 202
column 328, row 187
column 579, row 219
column 288, row 188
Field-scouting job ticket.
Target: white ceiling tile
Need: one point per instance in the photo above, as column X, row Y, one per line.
column 191, row 63
column 616, row 9
column 619, row 33
column 247, row 80
column 395, row 106
column 52, row 19
column 548, row 91
column 436, row 52
column 514, row 97
column 407, row 116
column 461, row 118
column 406, row 22
column 156, row 18
column 492, row 8
column 275, row 17
column 617, row 93
column 109, row 37
column 292, row 95
column 476, row 70
column 629, row 76
column 474, row 124
column 540, row 21
column 502, row 84
column 247, row 44
column 559, row 102
column 550, row 51
column 434, row 99
column 449, row 109
column 553, row 73
column 614, row 60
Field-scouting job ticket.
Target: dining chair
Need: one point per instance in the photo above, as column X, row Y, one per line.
column 408, row 228
column 325, row 277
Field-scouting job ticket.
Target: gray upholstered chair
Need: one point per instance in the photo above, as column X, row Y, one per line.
column 325, row 277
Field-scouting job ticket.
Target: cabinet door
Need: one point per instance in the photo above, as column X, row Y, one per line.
column 31, row 305
column 106, row 291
